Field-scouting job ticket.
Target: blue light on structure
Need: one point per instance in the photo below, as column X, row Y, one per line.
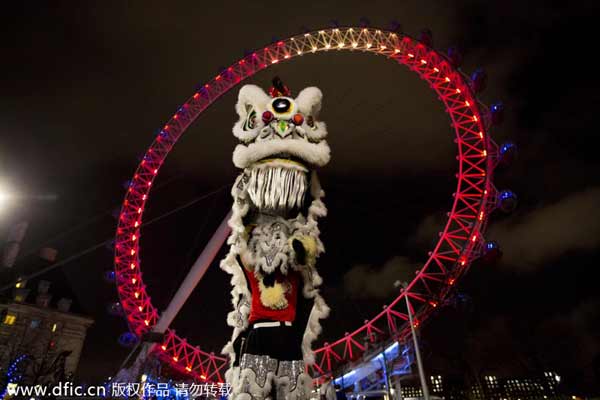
column 163, row 133
column 507, row 147
column 388, row 351
column 479, row 80
column 491, row 245
column 506, row 194
column 497, row 111
column 366, row 368
column 492, row 252
column 455, row 56
column 508, row 152
column 109, row 276
column 507, row 200
column 128, row 339
column 13, row 373
column 344, row 377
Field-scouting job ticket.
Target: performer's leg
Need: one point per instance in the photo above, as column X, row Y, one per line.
column 292, row 382
column 253, row 379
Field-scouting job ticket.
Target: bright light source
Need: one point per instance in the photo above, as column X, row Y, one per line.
column 5, row 196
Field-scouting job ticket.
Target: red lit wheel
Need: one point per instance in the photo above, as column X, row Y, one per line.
column 459, row 244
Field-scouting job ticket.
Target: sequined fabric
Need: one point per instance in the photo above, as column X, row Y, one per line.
column 263, row 376
column 288, row 387
column 291, row 369
column 261, row 365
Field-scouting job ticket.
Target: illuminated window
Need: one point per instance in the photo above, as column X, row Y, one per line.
column 10, row 319
column 19, row 298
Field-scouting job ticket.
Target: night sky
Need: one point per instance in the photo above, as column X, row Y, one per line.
column 85, row 86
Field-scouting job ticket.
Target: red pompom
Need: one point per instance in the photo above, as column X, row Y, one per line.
column 298, row 119
column 267, row 117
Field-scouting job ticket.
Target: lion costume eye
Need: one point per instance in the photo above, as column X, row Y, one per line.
column 281, row 105
column 250, row 121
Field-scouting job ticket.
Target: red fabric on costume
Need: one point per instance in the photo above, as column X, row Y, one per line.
column 258, row 312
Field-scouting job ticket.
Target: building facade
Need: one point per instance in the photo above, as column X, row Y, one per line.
column 490, row 387
column 50, row 339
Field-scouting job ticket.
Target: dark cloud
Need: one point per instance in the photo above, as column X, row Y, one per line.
column 367, row 281
column 428, row 229
column 544, row 234
column 530, row 239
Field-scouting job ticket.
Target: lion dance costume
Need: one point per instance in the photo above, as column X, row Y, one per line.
column 275, row 243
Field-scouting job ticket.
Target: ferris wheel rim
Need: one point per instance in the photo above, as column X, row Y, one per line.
column 473, row 199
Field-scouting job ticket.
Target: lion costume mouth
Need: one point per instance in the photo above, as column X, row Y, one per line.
column 312, row 154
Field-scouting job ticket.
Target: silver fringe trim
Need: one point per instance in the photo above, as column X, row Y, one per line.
column 277, row 187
